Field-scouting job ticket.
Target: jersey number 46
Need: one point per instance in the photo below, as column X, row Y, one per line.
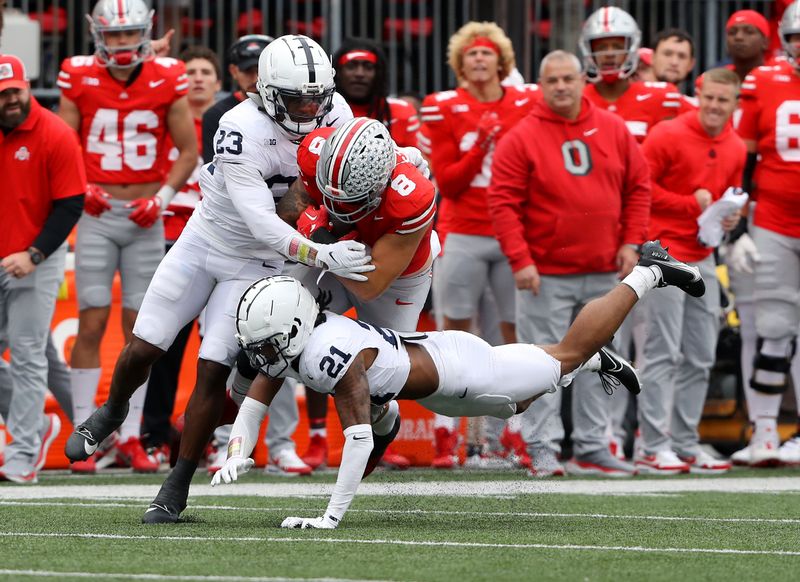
column 127, row 143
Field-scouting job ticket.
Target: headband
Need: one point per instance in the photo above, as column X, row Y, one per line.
column 484, row 42
column 358, row 55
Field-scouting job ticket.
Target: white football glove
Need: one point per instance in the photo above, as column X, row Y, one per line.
column 414, row 156
column 231, row 470
column 345, row 258
column 324, row 522
column 743, row 255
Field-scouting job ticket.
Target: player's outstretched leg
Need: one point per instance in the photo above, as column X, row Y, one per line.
column 131, row 371
column 597, row 322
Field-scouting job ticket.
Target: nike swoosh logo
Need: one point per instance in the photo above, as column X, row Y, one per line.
column 644, row 97
column 310, row 216
column 521, row 102
column 589, row 132
column 332, row 122
column 90, row 449
column 154, row 84
column 400, row 302
column 618, row 367
column 154, row 506
column 378, row 218
column 465, row 393
column 355, row 438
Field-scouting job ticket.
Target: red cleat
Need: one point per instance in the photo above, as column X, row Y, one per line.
column 317, row 453
column 131, row 454
column 513, row 442
column 394, row 460
column 446, row 442
column 87, row 467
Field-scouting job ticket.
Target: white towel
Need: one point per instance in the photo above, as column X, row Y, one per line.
column 710, row 221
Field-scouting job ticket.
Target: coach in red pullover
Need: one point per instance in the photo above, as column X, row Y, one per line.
column 569, row 200
column 693, row 159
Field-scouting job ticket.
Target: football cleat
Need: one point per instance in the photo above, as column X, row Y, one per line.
column 661, row 463
column 316, row 455
column 446, row 442
column 83, row 443
column 165, row 508
column 396, row 461
column 703, row 463
column 673, row 272
column 52, row 428
column 545, row 464
column 600, row 463
column 287, row 464
column 27, row 478
column 132, row 454
column 615, row 371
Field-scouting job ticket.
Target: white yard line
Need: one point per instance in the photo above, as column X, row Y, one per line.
column 534, row 514
column 300, row 539
column 431, row 488
column 122, row 576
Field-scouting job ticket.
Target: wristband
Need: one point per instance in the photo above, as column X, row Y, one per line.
column 166, row 193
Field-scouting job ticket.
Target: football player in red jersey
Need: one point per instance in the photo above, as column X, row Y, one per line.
column 361, row 79
column 770, row 126
column 122, row 102
column 459, row 132
column 354, row 182
column 609, row 44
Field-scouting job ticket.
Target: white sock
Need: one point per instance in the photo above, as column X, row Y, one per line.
column 132, row 426
column 642, row 279
column 590, row 365
column 83, row 382
column 385, row 425
column 766, row 424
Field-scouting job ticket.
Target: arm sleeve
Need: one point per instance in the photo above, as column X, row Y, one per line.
column 636, row 193
column 63, row 217
column 254, row 203
column 657, row 150
column 210, row 124
column 355, row 454
column 507, row 196
column 244, row 433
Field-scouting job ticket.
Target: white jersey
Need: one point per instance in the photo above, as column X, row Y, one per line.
column 254, row 164
column 331, row 350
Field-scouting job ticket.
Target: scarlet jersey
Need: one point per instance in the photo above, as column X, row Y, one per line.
column 182, row 204
column 404, row 123
column 643, row 105
column 123, row 125
column 407, row 205
column 771, row 117
column 448, row 134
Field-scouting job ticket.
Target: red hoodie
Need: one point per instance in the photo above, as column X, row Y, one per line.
column 566, row 194
column 683, row 158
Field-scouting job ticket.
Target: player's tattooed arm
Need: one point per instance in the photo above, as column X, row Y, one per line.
column 293, row 203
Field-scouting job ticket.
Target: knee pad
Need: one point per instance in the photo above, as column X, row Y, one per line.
column 771, row 371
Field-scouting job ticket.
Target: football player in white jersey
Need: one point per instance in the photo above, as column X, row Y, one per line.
column 233, row 238
column 454, row 373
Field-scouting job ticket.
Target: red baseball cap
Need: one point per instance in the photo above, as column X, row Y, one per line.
column 12, row 73
column 646, row 56
column 750, row 17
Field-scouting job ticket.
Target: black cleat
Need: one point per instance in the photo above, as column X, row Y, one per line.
column 615, row 371
column 165, row 508
column 673, row 272
column 83, row 443
column 161, row 513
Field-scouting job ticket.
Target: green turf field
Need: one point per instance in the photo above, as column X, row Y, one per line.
column 462, row 526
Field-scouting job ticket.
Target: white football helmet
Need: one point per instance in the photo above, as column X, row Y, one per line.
column 610, row 22
column 295, row 82
column 117, row 16
column 274, row 320
column 789, row 25
column 354, row 168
